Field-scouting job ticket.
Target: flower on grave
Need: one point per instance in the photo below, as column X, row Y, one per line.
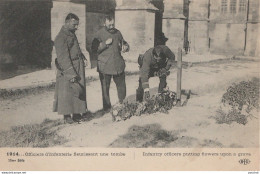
column 114, row 112
column 161, row 102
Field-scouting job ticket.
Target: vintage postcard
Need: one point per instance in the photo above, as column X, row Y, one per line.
column 129, row 85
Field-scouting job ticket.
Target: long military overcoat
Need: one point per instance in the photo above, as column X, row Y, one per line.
column 69, row 98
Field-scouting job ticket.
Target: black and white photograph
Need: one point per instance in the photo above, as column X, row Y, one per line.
column 129, row 74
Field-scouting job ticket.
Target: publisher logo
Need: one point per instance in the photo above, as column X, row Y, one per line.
column 244, row 161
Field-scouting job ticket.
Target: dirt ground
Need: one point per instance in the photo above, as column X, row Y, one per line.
column 188, row 126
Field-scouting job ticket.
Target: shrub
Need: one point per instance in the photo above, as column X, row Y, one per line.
column 240, row 100
column 243, row 94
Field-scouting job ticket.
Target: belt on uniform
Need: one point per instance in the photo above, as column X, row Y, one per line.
column 75, row 58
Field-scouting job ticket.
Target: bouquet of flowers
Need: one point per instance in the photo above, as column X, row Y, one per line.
column 161, row 102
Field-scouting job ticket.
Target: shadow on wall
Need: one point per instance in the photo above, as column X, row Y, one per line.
column 25, row 37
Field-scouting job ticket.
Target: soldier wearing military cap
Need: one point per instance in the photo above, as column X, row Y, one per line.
column 70, row 89
column 154, row 62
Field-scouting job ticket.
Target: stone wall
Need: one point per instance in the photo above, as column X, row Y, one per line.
column 252, row 39
column 220, row 14
column 137, row 28
column 228, row 27
column 173, row 24
column 198, row 37
column 174, row 31
column 227, row 38
column 198, row 10
column 198, row 34
column 253, row 29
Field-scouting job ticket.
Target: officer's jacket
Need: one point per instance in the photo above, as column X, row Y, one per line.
column 149, row 63
column 110, row 60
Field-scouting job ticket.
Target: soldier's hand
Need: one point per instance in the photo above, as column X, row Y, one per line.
column 109, row 41
column 125, row 48
column 85, row 62
column 73, row 80
column 146, row 95
column 163, row 72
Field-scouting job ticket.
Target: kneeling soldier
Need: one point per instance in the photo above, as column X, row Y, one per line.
column 154, row 62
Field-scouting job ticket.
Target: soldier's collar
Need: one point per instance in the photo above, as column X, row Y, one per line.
column 66, row 31
column 112, row 31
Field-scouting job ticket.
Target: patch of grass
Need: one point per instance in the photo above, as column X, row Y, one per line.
column 232, row 116
column 185, row 142
column 235, row 146
column 211, row 143
column 33, row 135
column 19, row 93
column 147, row 136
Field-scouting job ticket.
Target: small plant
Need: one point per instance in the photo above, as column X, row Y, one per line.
column 157, row 103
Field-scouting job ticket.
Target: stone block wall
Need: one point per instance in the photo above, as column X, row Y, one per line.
column 174, row 24
column 198, row 37
column 252, row 39
column 224, row 14
column 253, row 29
column 227, row 38
column 137, row 28
column 174, row 31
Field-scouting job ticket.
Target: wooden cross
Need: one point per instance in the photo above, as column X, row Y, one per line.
column 179, row 75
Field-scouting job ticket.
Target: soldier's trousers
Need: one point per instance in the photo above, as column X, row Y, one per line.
column 140, row 90
column 119, row 80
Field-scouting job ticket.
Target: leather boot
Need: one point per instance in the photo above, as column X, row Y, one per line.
column 76, row 118
column 139, row 95
column 67, row 119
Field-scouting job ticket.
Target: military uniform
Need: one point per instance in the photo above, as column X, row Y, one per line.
column 69, row 98
column 110, row 63
column 149, row 67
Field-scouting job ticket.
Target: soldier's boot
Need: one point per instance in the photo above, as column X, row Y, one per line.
column 67, row 119
column 86, row 116
column 139, row 95
column 77, row 118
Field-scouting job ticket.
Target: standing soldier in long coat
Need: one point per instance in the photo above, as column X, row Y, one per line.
column 70, row 89
column 108, row 43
